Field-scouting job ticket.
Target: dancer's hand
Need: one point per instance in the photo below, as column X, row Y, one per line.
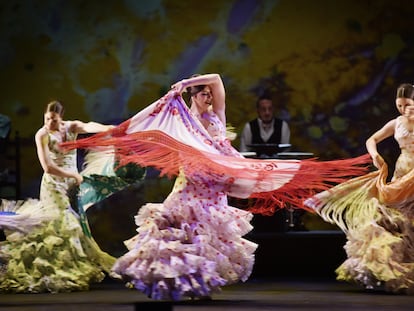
column 180, row 86
column 79, row 178
column 378, row 161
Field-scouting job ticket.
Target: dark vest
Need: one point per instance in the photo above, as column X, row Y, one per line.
column 273, row 139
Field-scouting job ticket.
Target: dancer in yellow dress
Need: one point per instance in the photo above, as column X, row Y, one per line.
column 378, row 216
column 46, row 249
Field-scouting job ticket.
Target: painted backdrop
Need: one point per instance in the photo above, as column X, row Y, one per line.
column 333, row 66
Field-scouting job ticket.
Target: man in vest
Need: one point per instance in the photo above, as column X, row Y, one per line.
column 266, row 130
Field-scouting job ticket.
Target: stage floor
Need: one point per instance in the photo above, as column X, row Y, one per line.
column 255, row 294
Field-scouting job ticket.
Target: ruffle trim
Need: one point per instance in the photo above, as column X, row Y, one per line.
column 172, row 258
column 54, row 257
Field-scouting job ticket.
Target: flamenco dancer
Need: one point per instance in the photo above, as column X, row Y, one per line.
column 47, row 247
column 376, row 215
column 192, row 244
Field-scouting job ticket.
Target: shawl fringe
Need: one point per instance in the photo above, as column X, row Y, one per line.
column 156, row 149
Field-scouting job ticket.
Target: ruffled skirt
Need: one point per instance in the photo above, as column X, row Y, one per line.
column 187, row 250
column 47, row 252
column 380, row 236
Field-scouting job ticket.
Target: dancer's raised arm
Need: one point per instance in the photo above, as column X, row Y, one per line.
column 216, row 97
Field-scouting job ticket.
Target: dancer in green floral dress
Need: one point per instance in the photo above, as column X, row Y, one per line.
column 48, row 247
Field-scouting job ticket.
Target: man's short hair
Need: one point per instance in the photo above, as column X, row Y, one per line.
column 264, row 96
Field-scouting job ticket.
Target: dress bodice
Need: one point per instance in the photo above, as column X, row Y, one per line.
column 217, row 132
column 59, row 157
column 403, row 136
column 405, row 139
column 215, row 128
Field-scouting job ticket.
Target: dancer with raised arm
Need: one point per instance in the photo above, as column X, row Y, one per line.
column 192, row 244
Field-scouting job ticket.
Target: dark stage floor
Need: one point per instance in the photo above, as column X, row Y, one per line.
column 255, row 294
column 294, row 270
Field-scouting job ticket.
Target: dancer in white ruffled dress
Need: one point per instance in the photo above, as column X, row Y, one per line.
column 376, row 215
column 192, row 244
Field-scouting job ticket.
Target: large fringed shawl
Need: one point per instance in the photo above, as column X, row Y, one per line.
column 165, row 135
